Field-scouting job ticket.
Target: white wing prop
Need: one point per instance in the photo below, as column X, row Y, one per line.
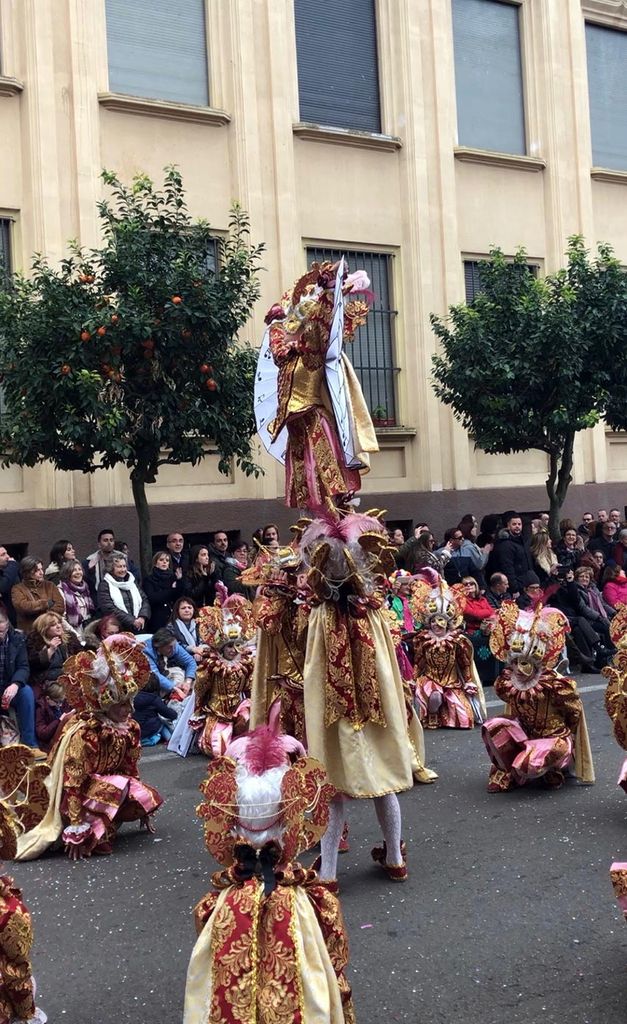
column 266, row 400
column 336, row 378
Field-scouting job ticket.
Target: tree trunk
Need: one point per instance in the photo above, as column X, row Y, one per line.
column 557, row 484
column 138, row 483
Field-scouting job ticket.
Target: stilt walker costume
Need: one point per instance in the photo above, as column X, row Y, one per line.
column 543, row 731
column 91, row 782
column 271, row 946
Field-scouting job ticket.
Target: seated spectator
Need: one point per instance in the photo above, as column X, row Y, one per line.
column 543, row 557
column 619, row 551
column 14, row 689
column 418, row 552
column 9, row 576
column 497, row 591
column 614, row 586
column 165, row 653
column 61, row 553
column 152, row 714
column 185, row 628
column 570, row 548
column 605, row 542
column 162, row 587
column 566, row 524
column 595, row 611
column 118, row 594
column 34, row 594
column 48, row 645
column 531, row 593
column 583, row 641
column 79, row 607
column 175, row 544
column 595, row 561
column 202, row 576
column 49, row 708
column 478, row 620
column 99, row 629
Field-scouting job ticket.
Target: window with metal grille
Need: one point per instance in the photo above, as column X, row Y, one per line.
column 488, row 76
column 607, row 87
column 472, row 277
column 158, row 49
column 372, row 351
column 5, row 251
column 338, row 72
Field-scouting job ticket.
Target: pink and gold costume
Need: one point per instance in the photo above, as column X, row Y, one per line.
column 271, row 944
column 448, row 690
column 616, row 692
column 543, row 729
column 91, row 782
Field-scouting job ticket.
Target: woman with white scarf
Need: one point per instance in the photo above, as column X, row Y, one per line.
column 119, row 594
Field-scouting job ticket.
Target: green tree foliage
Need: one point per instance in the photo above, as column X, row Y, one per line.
column 532, row 360
column 126, row 354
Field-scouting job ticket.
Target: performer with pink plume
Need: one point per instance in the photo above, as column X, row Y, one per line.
column 271, row 945
column 448, row 689
column 90, row 783
column 543, row 731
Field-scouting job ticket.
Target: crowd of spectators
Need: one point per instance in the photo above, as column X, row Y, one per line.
column 46, row 615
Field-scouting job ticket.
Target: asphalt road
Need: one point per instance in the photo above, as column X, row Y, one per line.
column 508, row 914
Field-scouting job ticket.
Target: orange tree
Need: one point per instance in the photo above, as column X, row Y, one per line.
column 126, row 354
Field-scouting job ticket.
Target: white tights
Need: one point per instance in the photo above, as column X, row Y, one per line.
column 388, row 813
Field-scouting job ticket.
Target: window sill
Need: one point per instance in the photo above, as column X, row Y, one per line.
column 346, row 137
column 10, row 86
column 399, row 433
column 165, row 109
column 494, row 159
column 606, row 174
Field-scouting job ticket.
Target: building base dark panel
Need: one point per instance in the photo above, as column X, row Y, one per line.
column 35, row 531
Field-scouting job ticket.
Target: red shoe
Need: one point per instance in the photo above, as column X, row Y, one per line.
column 344, row 846
column 395, row 872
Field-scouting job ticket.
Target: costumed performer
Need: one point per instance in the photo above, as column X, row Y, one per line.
column 17, row 985
column 543, row 730
column 356, row 714
column 616, row 692
column 222, row 686
column 309, row 407
column 399, row 583
column 91, row 782
column 618, row 875
column 449, row 693
column 272, row 946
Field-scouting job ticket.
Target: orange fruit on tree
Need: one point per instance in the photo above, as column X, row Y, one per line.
column 65, row 369
column 114, row 318
column 205, row 368
column 211, row 384
column 101, row 331
column 85, row 335
column 176, row 300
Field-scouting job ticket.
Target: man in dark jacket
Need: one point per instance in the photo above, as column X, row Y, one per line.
column 14, row 689
column 497, row 591
column 605, row 542
column 225, row 568
column 513, row 556
column 9, row 576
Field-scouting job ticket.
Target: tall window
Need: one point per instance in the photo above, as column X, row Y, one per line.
column 372, row 351
column 607, row 87
column 472, row 278
column 158, row 49
column 338, row 76
column 488, row 76
column 5, row 251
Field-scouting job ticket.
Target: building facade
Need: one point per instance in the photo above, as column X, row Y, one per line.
column 412, row 136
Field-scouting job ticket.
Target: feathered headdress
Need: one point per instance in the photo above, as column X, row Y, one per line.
column 346, row 548
column 537, row 634
column 431, row 595
column 228, row 620
column 111, row 675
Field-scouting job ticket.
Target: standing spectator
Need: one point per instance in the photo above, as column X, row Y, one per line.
column 614, row 586
column 421, row 528
column 122, row 546
column 185, row 628
column 14, row 689
column 465, row 557
column 48, row 645
column 118, row 594
column 239, row 560
column 586, row 527
column 512, row 554
column 397, row 537
column 34, row 594
column 605, row 542
column 9, row 576
column 543, row 556
column 162, row 587
column 202, row 576
column 79, row 607
column 49, row 707
column 225, row 571
column 419, row 552
column 615, row 517
column 270, row 536
column 497, row 591
column 602, row 516
column 152, row 714
column 62, row 552
column 175, row 544
column 619, row 551
column 488, row 530
column 478, row 556
column 94, row 564
column 570, row 548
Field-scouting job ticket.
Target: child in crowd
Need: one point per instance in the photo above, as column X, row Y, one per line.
column 153, row 714
column 50, row 706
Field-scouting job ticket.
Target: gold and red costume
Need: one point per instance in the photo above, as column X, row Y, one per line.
column 543, row 729
column 17, row 990
column 271, row 944
column 90, row 783
column 616, row 692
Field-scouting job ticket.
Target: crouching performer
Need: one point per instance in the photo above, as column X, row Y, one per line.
column 543, row 731
column 91, row 782
column 271, row 946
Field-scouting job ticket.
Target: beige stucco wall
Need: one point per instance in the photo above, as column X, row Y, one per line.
column 428, row 204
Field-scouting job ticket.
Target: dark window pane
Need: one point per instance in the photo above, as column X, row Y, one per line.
column 5, row 251
column 338, row 77
column 607, row 88
column 472, row 277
